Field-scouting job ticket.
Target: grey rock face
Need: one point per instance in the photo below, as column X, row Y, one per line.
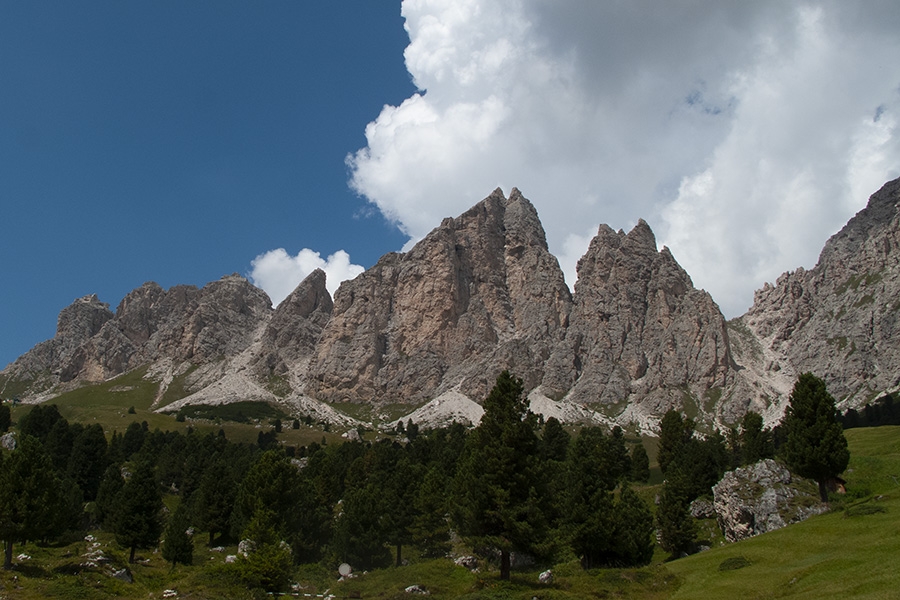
column 841, row 319
column 763, row 497
column 479, row 294
column 183, row 323
column 639, row 330
column 295, row 326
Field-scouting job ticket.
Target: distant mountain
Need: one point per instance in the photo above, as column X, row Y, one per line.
column 432, row 328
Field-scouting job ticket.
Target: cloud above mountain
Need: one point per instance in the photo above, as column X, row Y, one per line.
column 278, row 273
column 744, row 133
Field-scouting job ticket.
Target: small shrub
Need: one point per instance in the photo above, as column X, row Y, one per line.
column 864, row 509
column 734, row 563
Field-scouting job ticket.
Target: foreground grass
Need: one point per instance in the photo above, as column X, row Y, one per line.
column 849, row 552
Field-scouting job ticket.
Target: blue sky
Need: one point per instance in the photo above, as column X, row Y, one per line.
column 178, row 142
column 174, row 142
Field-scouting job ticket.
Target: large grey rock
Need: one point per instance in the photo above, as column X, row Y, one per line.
column 639, row 331
column 763, row 497
column 481, row 293
column 841, row 319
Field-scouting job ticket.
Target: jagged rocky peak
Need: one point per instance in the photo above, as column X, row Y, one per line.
column 840, row 319
column 641, row 336
column 295, row 327
column 82, row 319
column 478, row 294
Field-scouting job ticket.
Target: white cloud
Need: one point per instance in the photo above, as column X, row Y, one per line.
column 277, row 273
column 744, row 133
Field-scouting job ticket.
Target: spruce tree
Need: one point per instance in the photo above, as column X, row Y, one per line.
column 815, row 446
column 5, row 418
column 640, row 464
column 178, row 547
column 498, row 489
column 31, row 496
column 137, row 521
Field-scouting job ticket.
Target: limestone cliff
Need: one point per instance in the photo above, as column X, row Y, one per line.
column 640, row 335
column 841, row 319
column 482, row 293
column 479, row 294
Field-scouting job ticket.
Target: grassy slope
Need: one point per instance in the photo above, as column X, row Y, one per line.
column 834, row 555
column 108, row 404
column 839, row 554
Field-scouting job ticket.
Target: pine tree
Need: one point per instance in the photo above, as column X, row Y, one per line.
column 137, row 521
column 5, row 418
column 591, row 475
column 756, row 442
column 269, row 563
column 431, row 530
column 640, row 464
column 498, row 488
column 87, row 461
column 360, row 536
column 815, row 445
column 274, row 484
column 178, row 547
column 677, row 528
column 30, row 496
column 674, row 433
column 632, row 538
column 214, row 499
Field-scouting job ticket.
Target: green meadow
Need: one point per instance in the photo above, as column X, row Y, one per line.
column 849, row 552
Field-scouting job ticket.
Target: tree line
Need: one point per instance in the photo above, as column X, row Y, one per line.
column 513, row 484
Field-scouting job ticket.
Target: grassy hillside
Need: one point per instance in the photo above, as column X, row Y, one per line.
column 117, row 403
column 848, row 552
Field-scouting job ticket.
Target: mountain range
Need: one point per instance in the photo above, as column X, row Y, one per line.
column 430, row 330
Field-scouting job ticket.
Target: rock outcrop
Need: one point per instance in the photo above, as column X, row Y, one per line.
column 481, row 293
column 763, row 497
column 433, row 327
column 841, row 319
column 639, row 333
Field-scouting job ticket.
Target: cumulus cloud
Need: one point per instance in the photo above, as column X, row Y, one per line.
column 744, row 133
column 277, row 273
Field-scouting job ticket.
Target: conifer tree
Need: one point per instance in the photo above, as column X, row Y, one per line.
column 214, row 499
column 677, row 528
column 633, row 530
column 640, row 464
column 815, row 446
column 431, row 530
column 674, row 433
column 137, row 521
column 274, row 484
column 498, row 495
column 756, row 441
column 269, row 563
column 5, row 418
column 178, row 547
column 87, row 461
column 30, row 496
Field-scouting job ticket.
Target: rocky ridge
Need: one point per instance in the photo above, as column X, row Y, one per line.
column 431, row 328
column 763, row 497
